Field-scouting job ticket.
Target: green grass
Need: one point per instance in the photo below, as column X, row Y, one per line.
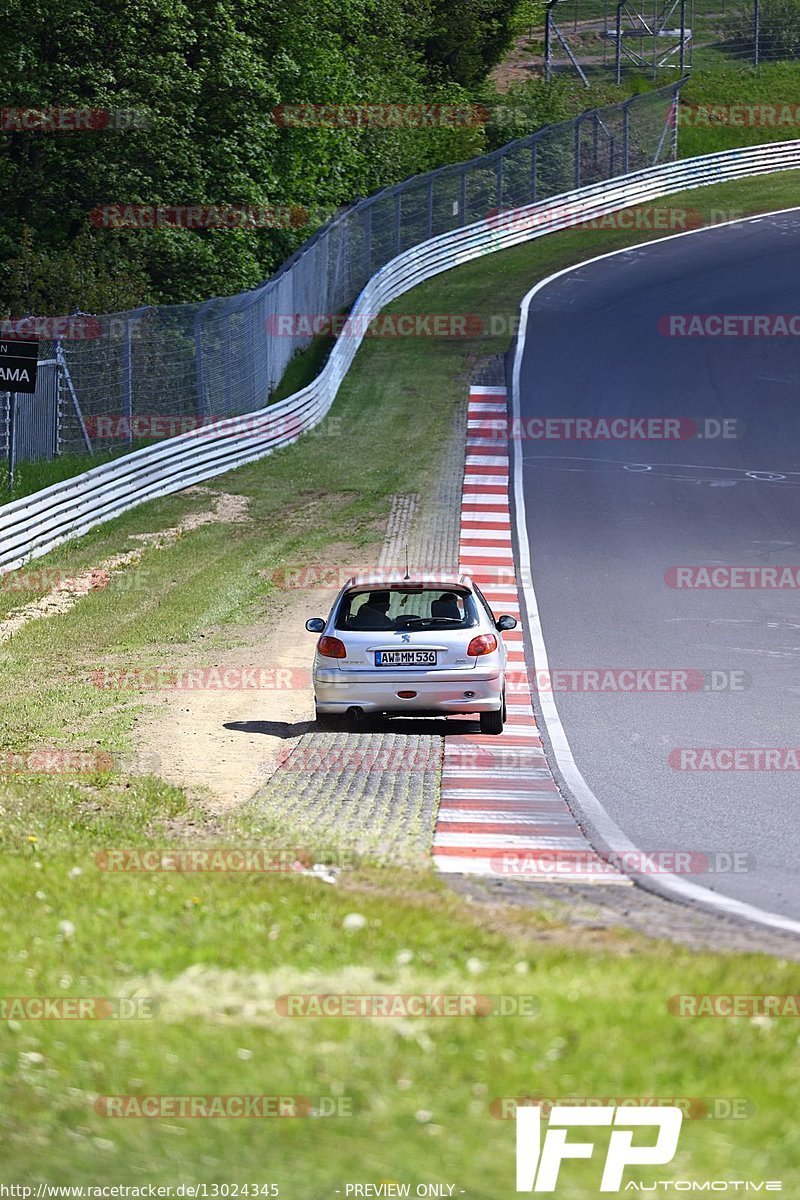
column 303, row 368
column 333, row 487
column 32, row 477
column 716, row 81
column 216, row 950
column 739, row 85
column 215, row 953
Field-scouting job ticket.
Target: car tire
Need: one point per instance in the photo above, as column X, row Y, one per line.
column 492, row 722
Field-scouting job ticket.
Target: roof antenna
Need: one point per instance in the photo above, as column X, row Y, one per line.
column 407, row 576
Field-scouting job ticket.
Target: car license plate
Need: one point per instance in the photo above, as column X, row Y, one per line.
column 405, row 658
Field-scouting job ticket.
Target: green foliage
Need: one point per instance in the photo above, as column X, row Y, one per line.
column 469, row 37
column 85, row 272
column 207, row 78
column 527, row 106
column 529, row 15
column 704, row 130
column 779, row 27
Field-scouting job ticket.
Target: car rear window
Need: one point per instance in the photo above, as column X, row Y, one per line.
column 426, row 608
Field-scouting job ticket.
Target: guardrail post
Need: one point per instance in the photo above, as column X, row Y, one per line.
column 127, row 378
column 6, row 401
column 463, row 196
column 12, row 436
column 682, row 63
column 625, row 138
column 368, row 240
column 548, row 21
column 63, row 367
column 756, row 30
column 59, row 422
column 228, row 375
column 577, row 152
column 199, row 366
column 676, row 111
column 618, row 47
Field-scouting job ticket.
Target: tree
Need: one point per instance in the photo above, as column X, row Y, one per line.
column 207, row 77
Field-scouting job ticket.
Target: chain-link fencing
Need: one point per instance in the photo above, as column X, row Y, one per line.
column 124, row 379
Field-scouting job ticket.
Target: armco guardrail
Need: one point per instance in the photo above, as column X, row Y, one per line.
column 32, row 526
column 177, row 366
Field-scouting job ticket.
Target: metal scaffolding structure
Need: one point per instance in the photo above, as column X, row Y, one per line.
column 650, row 35
column 663, row 34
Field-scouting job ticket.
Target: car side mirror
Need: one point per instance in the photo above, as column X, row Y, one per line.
column 506, row 622
column 315, row 624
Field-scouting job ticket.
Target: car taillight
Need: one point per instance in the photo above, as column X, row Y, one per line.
column 485, row 643
column 330, row 647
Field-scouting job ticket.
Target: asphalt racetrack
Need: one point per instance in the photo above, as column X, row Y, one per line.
column 610, row 521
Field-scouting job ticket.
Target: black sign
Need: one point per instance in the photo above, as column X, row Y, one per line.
column 18, row 362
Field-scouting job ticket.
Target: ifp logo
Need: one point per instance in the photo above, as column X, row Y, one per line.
column 538, row 1163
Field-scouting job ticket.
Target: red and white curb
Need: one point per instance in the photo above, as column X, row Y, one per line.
column 501, row 812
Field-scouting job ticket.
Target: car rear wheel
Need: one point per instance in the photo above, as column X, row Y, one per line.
column 492, row 722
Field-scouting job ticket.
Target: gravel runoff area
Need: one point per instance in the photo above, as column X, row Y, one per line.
column 377, row 790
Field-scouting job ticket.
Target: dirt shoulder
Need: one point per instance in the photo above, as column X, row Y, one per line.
column 222, row 743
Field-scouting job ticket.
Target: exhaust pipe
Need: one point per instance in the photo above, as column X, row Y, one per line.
column 355, row 713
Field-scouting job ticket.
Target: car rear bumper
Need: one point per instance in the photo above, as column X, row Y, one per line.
column 462, row 695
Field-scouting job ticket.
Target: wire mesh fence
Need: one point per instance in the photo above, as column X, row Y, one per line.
column 654, row 38
column 159, row 371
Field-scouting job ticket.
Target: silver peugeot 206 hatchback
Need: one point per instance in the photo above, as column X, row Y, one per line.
column 426, row 645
